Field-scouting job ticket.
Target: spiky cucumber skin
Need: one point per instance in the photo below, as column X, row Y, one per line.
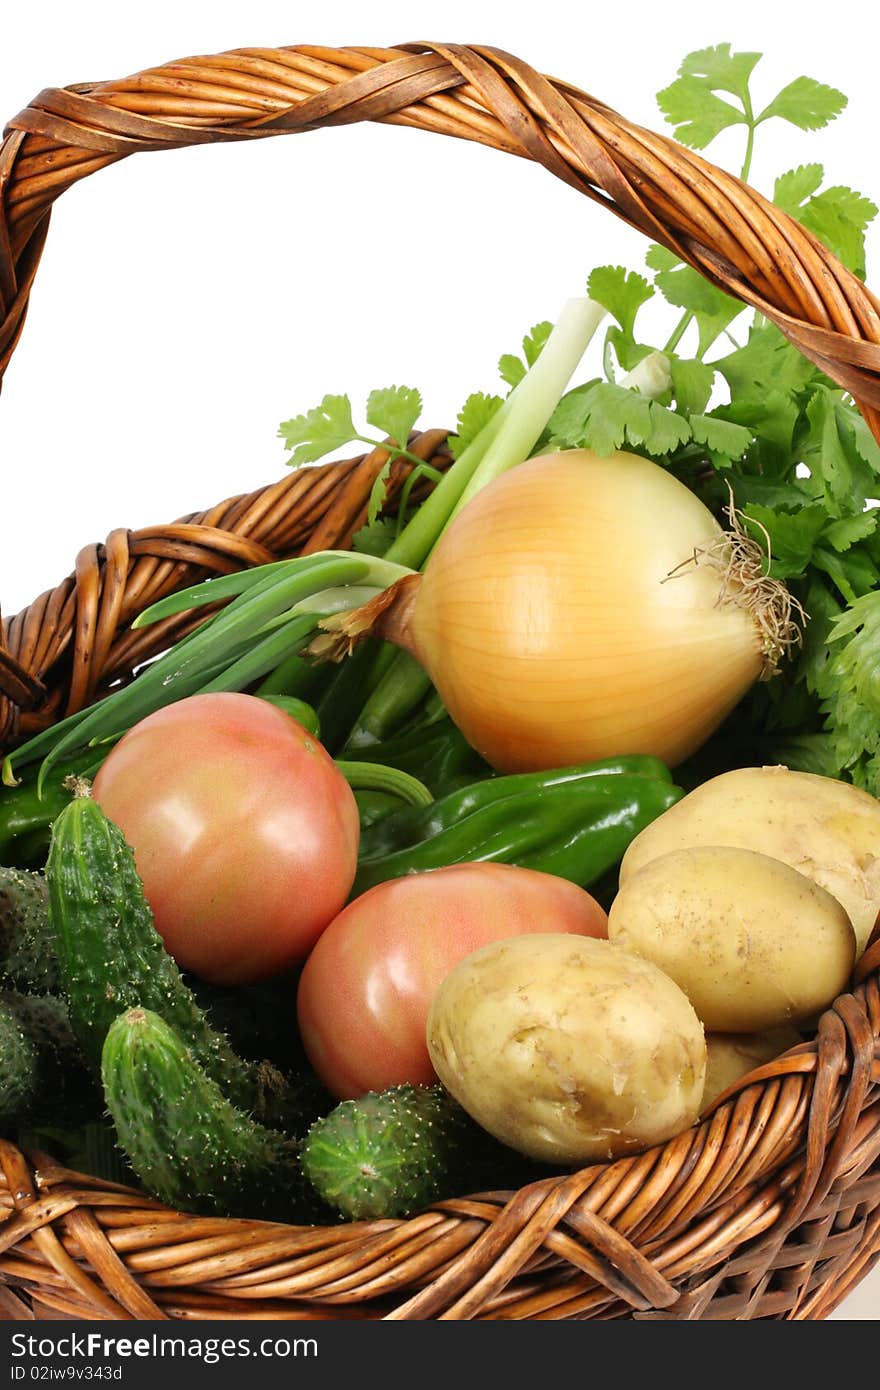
column 19, row 1068
column 62, row 1091
column 27, row 948
column 388, row 1153
column 112, row 958
column 187, row 1144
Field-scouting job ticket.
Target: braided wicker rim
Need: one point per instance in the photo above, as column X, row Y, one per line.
column 770, row 1207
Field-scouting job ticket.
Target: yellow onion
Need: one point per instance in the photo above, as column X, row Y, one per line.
column 581, row 607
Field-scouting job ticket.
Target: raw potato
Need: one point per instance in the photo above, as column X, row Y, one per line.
column 568, row 1049
column 753, row 943
column 825, row 829
column 732, row 1055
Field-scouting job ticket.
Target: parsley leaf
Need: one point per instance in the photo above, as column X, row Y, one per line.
column 374, row 537
column 838, row 217
column 792, row 188
column 622, row 292
column 831, row 455
column 511, row 368
column 849, row 685
column 326, row 427
column 698, row 115
column 476, row 412
column 685, row 287
column 603, row 417
column 692, row 383
column 394, row 410
column 766, row 363
column 378, row 492
column 792, row 535
column 720, row 70
column 720, row 436
column 806, row 103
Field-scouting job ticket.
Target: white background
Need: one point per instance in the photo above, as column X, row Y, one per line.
column 187, row 304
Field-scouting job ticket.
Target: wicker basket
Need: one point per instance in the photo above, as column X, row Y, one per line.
column 770, row 1208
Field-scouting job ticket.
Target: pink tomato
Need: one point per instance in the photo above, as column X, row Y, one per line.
column 366, row 988
column 245, row 833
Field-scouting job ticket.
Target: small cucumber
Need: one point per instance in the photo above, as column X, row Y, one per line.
column 59, row 1090
column 27, row 947
column 111, row 958
column 187, row 1144
column 389, row 1153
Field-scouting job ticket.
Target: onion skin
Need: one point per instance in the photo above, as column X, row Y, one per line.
column 551, row 628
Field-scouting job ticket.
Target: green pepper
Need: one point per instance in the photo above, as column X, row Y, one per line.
column 575, row 823
column 416, row 824
column 438, row 754
column 373, row 805
column 26, row 818
column 297, row 709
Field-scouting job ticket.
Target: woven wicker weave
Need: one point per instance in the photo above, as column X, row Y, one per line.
column 770, row 1207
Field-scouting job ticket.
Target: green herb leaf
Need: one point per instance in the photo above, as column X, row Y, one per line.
column 622, row 292
column 848, row 530
column 796, row 185
column 326, row 427
column 378, row 492
column 394, row 410
column 692, row 383
column 806, row 103
column 511, row 368
column 375, row 537
column 792, row 536
column 767, row 362
column 476, row 412
column 685, row 287
column 603, row 417
column 697, row 114
column 720, row 436
column 832, row 456
column 720, row 70
column 838, row 217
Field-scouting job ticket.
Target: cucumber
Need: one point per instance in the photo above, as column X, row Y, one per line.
column 186, row 1142
column 111, row 958
column 18, row 1069
column 59, row 1090
column 389, row 1153
column 27, row 948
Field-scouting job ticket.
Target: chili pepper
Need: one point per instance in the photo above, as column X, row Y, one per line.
column 26, row 818
column 437, row 754
column 573, row 823
column 373, row 805
column 414, row 825
column 298, row 710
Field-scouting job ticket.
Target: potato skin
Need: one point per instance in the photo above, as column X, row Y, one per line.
column 732, row 1055
column 568, row 1049
column 827, row 830
column 753, row 943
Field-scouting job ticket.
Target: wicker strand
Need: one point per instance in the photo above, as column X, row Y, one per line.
column 726, row 230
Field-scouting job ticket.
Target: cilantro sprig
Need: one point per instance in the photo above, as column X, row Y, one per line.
column 330, row 426
column 692, row 105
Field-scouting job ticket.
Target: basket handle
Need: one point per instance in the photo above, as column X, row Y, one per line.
column 723, row 228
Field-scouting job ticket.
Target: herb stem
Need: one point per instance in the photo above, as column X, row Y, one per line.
column 678, row 331
column 750, row 141
column 394, row 450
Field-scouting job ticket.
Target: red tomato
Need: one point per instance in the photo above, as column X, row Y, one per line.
column 245, row 832
column 366, row 988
